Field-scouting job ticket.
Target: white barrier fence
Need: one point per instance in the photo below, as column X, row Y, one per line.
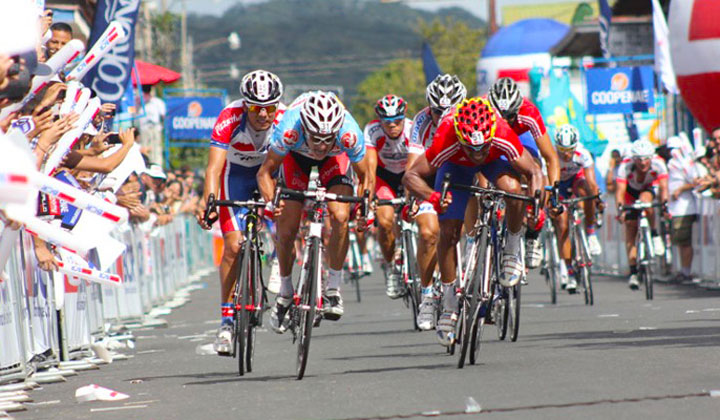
column 705, row 240
column 46, row 318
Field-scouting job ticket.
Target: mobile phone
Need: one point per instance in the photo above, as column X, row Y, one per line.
column 113, row 138
column 61, row 94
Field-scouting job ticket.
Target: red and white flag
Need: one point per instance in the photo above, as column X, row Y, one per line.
column 663, row 65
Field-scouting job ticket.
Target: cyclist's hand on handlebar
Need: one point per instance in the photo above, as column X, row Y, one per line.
column 434, row 199
column 275, row 211
column 600, row 204
column 555, row 212
column 200, row 215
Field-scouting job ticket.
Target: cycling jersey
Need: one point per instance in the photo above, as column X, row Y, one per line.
column 529, row 119
column 422, row 132
column 392, row 153
column 246, row 147
column 445, row 146
column 246, row 151
column 581, row 160
column 289, row 136
column 628, row 175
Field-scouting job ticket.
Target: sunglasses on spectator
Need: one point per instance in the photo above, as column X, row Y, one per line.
column 257, row 108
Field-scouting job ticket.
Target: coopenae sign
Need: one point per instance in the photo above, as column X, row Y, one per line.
column 619, row 90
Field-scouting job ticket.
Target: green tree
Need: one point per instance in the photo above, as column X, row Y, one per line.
column 456, row 47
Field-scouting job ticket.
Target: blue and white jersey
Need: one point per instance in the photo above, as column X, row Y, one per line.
column 288, row 135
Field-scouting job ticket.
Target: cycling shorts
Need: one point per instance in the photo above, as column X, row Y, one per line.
column 466, row 175
column 567, row 187
column 332, row 170
column 237, row 182
column 388, row 185
column 631, row 196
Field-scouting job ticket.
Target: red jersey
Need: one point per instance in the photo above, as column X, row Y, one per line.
column 445, row 146
column 529, row 119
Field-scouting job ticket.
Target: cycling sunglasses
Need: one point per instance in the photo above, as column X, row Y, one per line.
column 328, row 139
column 389, row 120
column 478, row 148
column 257, row 108
column 437, row 111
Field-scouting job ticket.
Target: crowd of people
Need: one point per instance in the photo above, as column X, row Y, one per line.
column 47, row 107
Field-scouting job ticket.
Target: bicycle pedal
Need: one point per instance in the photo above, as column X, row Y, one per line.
column 317, row 320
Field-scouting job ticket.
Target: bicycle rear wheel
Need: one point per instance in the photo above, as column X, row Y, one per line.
column 551, row 274
column 411, row 276
column 502, row 312
column 308, row 305
column 257, row 305
column 357, row 268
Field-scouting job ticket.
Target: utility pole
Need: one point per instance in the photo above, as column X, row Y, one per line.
column 492, row 25
column 184, row 47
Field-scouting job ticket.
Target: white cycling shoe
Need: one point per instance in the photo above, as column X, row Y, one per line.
column 512, row 269
column 594, row 246
column 659, row 245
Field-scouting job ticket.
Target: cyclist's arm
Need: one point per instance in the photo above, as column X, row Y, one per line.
column 525, row 165
column 216, row 160
column 365, row 174
column 663, row 195
column 621, row 188
column 551, row 158
column 371, row 158
column 590, row 177
column 265, row 180
column 414, row 178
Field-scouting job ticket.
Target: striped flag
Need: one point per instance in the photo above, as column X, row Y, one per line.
column 604, row 21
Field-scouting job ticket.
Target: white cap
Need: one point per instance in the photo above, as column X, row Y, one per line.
column 155, row 171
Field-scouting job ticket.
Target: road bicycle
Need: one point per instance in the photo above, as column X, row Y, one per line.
column 581, row 260
column 475, row 289
column 411, row 286
column 644, row 244
column 307, row 303
column 354, row 264
column 249, row 295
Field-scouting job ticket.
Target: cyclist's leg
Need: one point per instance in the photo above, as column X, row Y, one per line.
column 385, row 220
column 429, row 233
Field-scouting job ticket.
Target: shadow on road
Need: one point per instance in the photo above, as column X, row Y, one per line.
column 668, row 337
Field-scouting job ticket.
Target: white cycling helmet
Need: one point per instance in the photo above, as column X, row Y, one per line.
column 445, row 91
column 322, row 114
column 505, row 96
column 642, row 149
column 566, row 137
column 261, row 87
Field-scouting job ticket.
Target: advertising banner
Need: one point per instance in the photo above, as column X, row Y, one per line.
column 192, row 117
column 620, row 90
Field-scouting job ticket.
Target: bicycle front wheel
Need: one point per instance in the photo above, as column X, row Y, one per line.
column 308, row 306
column 242, row 316
column 514, row 311
column 411, row 276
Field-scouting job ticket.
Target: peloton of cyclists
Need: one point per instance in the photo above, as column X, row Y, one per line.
column 238, row 146
column 577, row 176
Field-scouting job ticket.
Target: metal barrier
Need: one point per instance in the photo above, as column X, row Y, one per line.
column 705, row 239
column 46, row 318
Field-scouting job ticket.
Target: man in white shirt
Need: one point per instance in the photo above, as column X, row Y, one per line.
column 151, row 124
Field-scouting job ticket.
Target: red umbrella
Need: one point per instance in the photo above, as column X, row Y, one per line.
column 152, row 74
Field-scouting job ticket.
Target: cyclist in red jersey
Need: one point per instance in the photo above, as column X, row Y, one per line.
column 466, row 142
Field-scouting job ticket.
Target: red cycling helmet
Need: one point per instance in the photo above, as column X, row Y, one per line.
column 475, row 122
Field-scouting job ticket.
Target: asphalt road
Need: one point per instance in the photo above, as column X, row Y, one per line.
column 621, row 359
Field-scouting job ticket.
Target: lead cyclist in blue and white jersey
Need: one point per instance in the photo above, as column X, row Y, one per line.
column 238, row 146
column 316, row 131
column 443, row 93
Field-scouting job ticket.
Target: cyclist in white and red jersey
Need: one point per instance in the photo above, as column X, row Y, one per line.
column 466, row 142
column 524, row 117
column 641, row 177
column 577, row 176
column 238, row 146
column 316, row 131
column 387, row 139
column 443, row 93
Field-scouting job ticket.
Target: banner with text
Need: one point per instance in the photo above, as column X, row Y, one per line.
column 619, row 90
column 191, row 117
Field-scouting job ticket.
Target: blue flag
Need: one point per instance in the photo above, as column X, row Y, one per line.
column 604, row 21
column 430, row 66
column 110, row 76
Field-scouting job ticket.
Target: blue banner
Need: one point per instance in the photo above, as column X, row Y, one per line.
column 430, row 66
column 619, row 90
column 191, row 117
column 110, row 76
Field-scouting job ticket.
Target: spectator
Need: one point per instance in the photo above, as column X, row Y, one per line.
column 151, row 124
column 685, row 177
column 153, row 181
column 615, row 160
column 61, row 34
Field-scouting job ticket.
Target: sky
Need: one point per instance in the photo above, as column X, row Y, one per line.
column 476, row 7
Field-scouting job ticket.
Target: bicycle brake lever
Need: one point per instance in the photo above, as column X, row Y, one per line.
column 209, row 208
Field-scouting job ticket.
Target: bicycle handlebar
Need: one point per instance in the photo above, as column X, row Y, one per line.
column 641, row 205
column 391, row 202
column 573, row 201
column 479, row 191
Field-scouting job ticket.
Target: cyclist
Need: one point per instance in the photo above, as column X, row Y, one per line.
column 443, row 93
column 316, row 131
column 387, row 141
column 577, row 176
column 637, row 179
column 523, row 116
column 238, row 146
column 465, row 142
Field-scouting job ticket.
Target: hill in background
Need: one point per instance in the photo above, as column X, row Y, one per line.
column 328, row 42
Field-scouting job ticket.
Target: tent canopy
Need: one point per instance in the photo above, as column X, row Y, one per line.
column 152, row 74
column 527, row 36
